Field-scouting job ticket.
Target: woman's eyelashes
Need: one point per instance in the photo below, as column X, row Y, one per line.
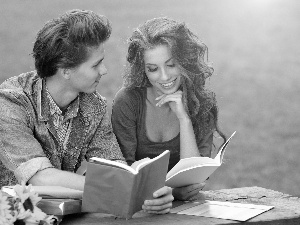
column 151, row 69
column 154, row 69
column 171, row 65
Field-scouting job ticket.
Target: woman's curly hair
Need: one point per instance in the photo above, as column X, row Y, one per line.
column 188, row 52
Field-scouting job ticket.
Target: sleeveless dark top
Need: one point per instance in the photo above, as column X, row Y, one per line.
column 129, row 125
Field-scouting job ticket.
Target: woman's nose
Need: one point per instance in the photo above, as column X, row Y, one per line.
column 164, row 74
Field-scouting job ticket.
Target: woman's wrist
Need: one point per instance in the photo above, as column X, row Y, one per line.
column 184, row 119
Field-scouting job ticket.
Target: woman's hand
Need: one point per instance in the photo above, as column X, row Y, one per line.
column 175, row 103
column 188, row 193
column 162, row 202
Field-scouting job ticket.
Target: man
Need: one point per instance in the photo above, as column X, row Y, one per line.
column 53, row 118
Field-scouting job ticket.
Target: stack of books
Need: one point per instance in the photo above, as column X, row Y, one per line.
column 56, row 200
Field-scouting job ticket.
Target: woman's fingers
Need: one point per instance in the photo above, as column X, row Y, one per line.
column 189, row 192
column 175, row 97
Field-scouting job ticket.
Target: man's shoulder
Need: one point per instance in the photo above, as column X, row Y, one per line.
column 21, row 79
column 19, row 85
column 92, row 102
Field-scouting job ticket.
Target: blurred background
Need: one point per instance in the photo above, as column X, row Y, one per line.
column 255, row 50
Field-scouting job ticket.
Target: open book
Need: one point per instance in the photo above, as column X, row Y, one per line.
column 118, row 189
column 195, row 169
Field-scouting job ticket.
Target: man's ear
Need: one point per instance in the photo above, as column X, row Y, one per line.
column 66, row 73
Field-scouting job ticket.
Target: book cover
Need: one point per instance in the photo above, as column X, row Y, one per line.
column 120, row 190
column 60, row 207
column 195, row 169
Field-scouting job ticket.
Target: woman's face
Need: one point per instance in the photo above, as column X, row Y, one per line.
column 162, row 70
column 87, row 75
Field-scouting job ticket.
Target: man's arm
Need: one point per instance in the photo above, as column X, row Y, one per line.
column 56, row 177
column 20, row 151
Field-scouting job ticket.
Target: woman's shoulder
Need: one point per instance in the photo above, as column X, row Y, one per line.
column 129, row 96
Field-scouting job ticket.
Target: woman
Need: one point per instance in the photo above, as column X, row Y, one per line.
column 164, row 103
column 53, row 118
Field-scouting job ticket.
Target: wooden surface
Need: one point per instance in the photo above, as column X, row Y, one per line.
column 286, row 210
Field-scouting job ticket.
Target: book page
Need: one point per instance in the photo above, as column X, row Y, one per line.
column 113, row 163
column 190, row 176
column 134, row 168
column 140, row 163
column 146, row 161
column 188, row 163
column 222, row 210
column 219, row 156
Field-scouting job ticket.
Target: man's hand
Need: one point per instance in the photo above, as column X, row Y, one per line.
column 162, row 202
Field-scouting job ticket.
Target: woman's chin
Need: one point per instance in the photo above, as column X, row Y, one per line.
column 168, row 91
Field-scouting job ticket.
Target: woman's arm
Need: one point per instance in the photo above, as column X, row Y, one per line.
column 124, row 117
column 188, row 144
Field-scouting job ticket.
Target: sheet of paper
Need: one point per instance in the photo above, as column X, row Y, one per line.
column 49, row 192
column 222, row 210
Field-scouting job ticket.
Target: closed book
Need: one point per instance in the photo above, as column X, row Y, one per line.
column 60, row 207
column 56, row 192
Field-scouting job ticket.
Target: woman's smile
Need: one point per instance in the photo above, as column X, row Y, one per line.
column 168, row 85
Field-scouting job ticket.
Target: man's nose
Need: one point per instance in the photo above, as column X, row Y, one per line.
column 103, row 70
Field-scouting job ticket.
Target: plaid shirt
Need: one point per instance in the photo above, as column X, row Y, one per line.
column 62, row 123
column 33, row 139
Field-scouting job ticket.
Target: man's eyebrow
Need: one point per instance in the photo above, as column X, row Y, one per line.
column 99, row 61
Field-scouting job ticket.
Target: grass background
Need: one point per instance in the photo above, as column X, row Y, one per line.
column 255, row 50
